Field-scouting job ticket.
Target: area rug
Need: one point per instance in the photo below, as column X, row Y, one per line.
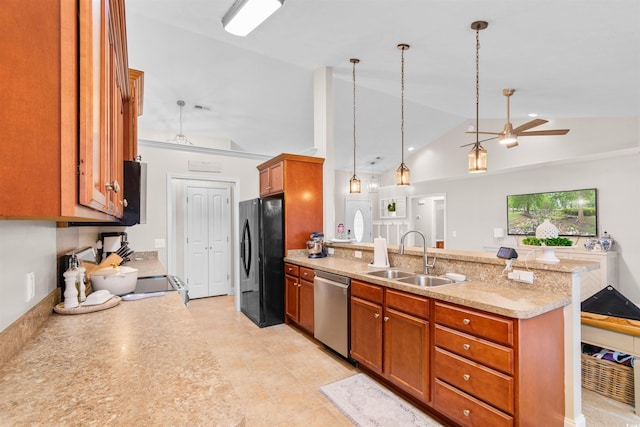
column 367, row 403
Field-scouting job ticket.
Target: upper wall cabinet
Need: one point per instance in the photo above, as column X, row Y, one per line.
column 68, row 110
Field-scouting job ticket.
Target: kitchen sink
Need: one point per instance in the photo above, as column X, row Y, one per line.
column 425, row 280
column 391, row 274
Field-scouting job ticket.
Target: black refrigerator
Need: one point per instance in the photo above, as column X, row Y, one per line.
column 262, row 260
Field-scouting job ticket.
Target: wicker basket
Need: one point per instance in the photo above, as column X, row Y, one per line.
column 608, row 378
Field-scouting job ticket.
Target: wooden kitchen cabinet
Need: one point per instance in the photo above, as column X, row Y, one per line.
column 299, row 296
column 299, row 180
column 66, row 88
column 390, row 336
column 272, row 179
column 493, row 370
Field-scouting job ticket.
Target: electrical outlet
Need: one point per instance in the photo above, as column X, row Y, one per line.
column 521, row 276
column 31, row 286
column 160, row 243
column 330, row 251
column 357, row 254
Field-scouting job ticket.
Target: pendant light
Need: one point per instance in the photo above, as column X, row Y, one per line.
column 354, row 182
column 478, row 154
column 372, row 185
column 402, row 173
column 180, row 138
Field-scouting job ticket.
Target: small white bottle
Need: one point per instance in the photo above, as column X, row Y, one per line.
column 82, row 297
column 70, row 291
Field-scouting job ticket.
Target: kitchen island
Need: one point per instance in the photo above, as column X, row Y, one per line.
column 140, row 363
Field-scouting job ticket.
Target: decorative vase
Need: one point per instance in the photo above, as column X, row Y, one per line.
column 605, row 241
column 546, row 230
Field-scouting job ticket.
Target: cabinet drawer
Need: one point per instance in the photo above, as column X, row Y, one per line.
column 493, row 355
column 306, row 274
column 411, row 304
column 465, row 410
column 367, row 291
column 486, row 384
column 476, row 323
column 291, row 269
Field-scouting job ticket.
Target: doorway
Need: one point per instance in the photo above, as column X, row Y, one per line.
column 428, row 215
column 177, row 212
column 207, row 241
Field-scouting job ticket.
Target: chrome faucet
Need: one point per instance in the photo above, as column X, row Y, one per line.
column 425, row 263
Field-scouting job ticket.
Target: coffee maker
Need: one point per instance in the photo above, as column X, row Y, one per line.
column 315, row 246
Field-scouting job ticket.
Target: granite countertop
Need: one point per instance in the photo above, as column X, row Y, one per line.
column 147, row 264
column 142, row 362
column 511, row 301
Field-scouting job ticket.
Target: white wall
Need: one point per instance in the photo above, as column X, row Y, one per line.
column 163, row 161
column 25, row 246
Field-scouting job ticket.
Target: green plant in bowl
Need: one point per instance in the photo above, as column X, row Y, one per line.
column 551, row 241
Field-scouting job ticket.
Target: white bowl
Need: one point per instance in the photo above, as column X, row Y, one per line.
column 117, row 280
column 456, row 277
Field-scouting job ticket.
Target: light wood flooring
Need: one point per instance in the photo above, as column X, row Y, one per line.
column 276, row 372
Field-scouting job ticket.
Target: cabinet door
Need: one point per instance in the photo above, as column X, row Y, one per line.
column 292, row 295
column 306, row 305
column 406, row 352
column 276, row 178
column 264, row 182
column 366, row 333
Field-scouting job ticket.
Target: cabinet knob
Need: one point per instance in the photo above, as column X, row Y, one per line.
column 376, row 315
column 466, row 346
column 113, row 186
column 125, row 203
column 385, row 318
column 466, row 412
column 466, row 321
column 466, row 377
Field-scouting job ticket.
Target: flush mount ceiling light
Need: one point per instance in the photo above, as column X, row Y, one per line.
column 180, row 138
column 245, row 15
column 354, row 182
column 478, row 155
column 372, row 185
column 402, row 173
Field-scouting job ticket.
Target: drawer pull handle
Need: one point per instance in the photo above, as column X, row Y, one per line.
column 466, row 412
column 385, row 318
column 466, row 346
column 466, row 321
column 376, row 315
column 466, row 377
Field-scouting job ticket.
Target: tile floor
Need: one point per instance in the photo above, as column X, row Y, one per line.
column 277, row 371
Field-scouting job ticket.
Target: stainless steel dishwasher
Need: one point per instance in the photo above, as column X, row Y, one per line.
column 331, row 311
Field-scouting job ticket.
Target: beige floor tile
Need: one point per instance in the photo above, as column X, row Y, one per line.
column 277, row 371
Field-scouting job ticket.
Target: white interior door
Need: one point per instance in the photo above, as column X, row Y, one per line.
column 207, row 241
column 358, row 219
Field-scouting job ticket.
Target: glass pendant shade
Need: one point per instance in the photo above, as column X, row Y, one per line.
column 403, row 176
column 354, row 184
column 372, row 184
column 477, row 159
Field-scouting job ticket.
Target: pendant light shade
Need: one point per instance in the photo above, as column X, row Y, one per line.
column 180, row 138
column 478, row 154
column 402, row 173
column 354, row 182
column 372, row 185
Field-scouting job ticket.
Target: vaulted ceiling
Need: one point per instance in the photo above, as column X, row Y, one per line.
column 567, row 59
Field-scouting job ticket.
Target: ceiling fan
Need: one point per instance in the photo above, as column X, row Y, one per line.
column 509, row 135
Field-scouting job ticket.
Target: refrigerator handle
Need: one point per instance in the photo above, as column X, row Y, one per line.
column 245, row 247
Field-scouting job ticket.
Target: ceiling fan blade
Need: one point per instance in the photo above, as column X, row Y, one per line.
column 486, row 133
column 545, row 132
column 531, row 124
column 482, row 140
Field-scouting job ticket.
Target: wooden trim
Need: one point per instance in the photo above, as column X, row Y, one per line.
column 285, row 156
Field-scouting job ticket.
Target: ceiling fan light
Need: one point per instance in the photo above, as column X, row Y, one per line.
column 245, row 15
column 513, row 144
column 403, row 175
column 477, row 159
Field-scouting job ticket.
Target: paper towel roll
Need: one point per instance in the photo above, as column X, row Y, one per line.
column 380, row 255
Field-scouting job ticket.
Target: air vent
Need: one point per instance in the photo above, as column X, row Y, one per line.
column 202, row 107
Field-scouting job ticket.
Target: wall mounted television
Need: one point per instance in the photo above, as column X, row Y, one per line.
column 573, row 212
